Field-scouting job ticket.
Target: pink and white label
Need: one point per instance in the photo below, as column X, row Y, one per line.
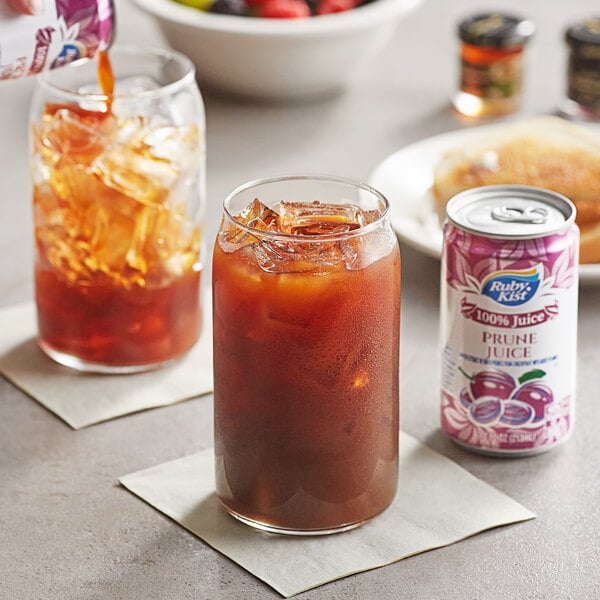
column 66, row 31
column 508, row 330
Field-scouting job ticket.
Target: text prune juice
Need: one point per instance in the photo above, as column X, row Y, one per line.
column 509, row 287
column 306, row 304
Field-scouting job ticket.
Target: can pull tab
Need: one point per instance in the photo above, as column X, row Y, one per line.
column 529, row 214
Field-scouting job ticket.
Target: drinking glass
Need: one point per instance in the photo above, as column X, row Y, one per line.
column 306, row 317
column 118, row 200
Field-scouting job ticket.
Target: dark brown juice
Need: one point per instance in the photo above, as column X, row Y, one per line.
column 109, row 325
column 306, row 390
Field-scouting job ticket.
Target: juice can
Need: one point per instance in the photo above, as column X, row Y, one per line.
column 509, row 288
column 66, row 30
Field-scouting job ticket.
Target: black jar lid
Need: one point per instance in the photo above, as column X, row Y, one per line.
column 496, row 30
column 586, row 32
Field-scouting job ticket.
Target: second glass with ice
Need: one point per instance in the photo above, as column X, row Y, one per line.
column 118, row 198
column 306, row 315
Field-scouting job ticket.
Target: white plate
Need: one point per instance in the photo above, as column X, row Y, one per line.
column 405, row 178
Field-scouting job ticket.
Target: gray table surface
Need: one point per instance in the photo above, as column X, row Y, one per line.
column 68, row 530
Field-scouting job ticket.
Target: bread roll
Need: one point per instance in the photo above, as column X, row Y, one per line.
column 547, row 152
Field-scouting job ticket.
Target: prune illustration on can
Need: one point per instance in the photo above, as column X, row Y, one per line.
column 509, row 288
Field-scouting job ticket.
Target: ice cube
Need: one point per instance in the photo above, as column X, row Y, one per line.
column 111, row 240
column 107, row 209
column 93, row 98
column 257, row 216
column 137, row 84
column 282, row 257
column 136, row 174
column 131, row 130
column 148, row 161
column 177, row 145
column 319, row 219
column 129, row 98
column 145, row 224
column 134, row 128
column 46, row 206
column 73, row 184
column 73, row 134
column 315, row 218
column 63, row 255
column 164, row 244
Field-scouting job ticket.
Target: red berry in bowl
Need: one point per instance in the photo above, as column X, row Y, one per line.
column 326, row 7
column 283, row 9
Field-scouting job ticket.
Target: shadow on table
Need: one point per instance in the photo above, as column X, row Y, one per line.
column 420, row 280
column 28, row 358
column 163, row 554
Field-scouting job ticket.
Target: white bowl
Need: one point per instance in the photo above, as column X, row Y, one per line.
column 278, row 58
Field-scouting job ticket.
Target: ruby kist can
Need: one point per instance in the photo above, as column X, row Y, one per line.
column 66, row 31
column 509, row 289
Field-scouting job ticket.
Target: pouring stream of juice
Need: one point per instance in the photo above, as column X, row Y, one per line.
column 106, row 78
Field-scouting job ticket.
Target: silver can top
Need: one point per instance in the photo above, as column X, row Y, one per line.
column 511, row 211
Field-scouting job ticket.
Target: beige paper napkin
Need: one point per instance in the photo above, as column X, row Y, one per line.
column 84, row 399
column 438, row 503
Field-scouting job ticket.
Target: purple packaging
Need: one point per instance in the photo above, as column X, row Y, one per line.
column 509, row 289
column 66, row 31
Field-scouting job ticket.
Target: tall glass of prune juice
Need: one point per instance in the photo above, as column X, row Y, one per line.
column 306, row 319
column 118, row 170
